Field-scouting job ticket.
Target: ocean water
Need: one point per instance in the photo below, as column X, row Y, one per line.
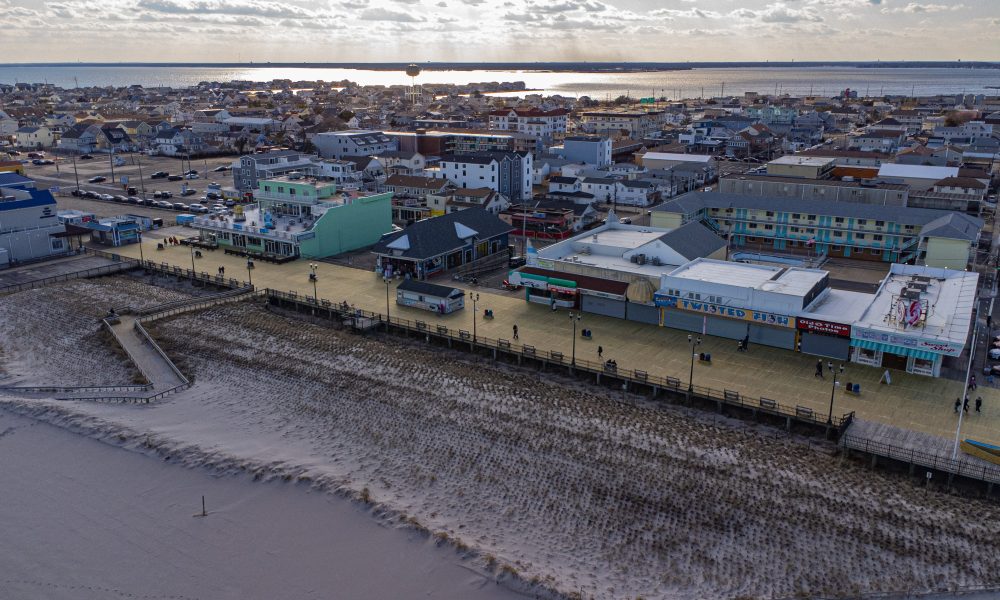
column 671, row 84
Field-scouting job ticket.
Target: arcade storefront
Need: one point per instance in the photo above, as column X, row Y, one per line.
column 768, row 329
column 824, row 338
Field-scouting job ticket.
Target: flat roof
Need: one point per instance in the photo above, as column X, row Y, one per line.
column 916, row 171
column 839, row 306
column 703, row 158
column 949, row 300
column 793, row 280
column 805, row 161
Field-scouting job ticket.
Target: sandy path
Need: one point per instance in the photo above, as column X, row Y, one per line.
column 83, row 520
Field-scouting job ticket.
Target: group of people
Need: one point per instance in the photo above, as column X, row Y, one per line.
column 964, row 404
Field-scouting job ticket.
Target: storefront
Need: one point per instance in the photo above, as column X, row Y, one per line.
column 909, row 353
column 760, row 327
column 824, row 338
column 568, row 290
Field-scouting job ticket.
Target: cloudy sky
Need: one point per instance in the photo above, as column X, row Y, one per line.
column 497, row 30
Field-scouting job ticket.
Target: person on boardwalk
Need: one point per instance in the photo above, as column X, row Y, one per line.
column 819, row 369
column 600, row 351
column 965, row 404
column 515, row 331
column 958, row 403
column 972, row 382
column 979, row 404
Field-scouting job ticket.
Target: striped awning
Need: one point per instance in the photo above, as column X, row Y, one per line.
column 892, row 349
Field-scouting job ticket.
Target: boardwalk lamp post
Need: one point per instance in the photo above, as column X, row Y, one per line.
column 833, row 388
column 574, row 319
column 694, row 343
column 314, row 279
column 475, row 310
column 386, row 280
column 250, row 270
column 193, row 270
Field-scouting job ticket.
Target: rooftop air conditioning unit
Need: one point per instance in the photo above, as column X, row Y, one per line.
column 634, row 258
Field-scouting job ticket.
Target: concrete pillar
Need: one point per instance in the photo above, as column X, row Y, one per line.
column 788, row 423
column 874, row 460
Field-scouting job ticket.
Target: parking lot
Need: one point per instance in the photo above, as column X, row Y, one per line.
column 63, row 178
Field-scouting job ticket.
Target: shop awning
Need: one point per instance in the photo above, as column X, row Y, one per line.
column 900, row 350
column 641, row 291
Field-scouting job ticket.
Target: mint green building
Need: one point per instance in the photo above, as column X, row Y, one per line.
column 295, row 216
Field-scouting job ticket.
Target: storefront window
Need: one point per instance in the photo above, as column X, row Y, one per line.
column 922, row 366
column 865, row 356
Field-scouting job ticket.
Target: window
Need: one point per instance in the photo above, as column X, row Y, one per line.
column 769, row 213
column 753, row 226
column 795, row 215
column 876, row 252
column 861, row 221
column 838, row 220
column 877, row 238
column 811, row 217
column 267, row 188
column 768, row 227
column 838, row 234
column 859, row 236
column 879, row 223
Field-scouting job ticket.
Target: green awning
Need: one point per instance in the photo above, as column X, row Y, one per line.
column 892, row 349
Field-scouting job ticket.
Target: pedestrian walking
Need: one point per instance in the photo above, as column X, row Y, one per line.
column 965, row 404
column 972, row 382
column 600, row 351
column 958, row 403
column 979, row 404
column 515, row 331
column 819, row 369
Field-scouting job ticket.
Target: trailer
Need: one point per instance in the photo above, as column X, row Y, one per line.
column 428, row 296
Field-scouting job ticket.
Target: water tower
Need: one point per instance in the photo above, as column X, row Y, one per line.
column 415, row 92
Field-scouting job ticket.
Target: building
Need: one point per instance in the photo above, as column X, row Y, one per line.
column 739, row 300
column 667, row 160
column 440, row 299
column 918, row 177
column 114, row 231
column 549, row 219
column 801, row 167
column 414, row 186
column 33, row 137
column 80, row 138
column 588, row 149
column 631, row 124
column 885, row 194
column 508, row 173
column 814, row 228
column 452, row 199
column 918, row 316
column 544, row 124
column 29, row 226
column 354, row 142
column 296, row 216
column 885, row 141
column 252, row 168
column 435, row 246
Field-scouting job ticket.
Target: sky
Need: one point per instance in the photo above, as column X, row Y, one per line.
column 497, row 30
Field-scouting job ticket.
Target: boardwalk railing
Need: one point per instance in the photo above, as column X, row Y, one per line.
column 168, row 269
column 551, row 357
column 978, row 470
column 82, row 274
column 70, row 389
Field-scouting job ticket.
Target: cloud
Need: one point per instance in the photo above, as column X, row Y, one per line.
column 387, row 14
column 917, row 8
column 255, row 8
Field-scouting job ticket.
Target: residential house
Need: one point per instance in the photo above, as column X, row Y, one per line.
column 544, row 124
column 33, row 137
column 80, row 138
column 509, row 173
column 453, row 199
column 355, row 142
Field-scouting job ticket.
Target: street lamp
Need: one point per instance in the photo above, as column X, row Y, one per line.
column 475, row 311
column 193, row 270
column 250, row 267
column 694, row 343
column 387, row 319
column 833, row 389
column 314, row 278
column 574, row 319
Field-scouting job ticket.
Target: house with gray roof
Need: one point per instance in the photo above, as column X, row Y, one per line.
column 435, row 246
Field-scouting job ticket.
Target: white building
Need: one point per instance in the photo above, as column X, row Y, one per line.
column 28, row 221
column 918, row 177
column 544, row 124
column 354, row 142
column 918, row 316
column 509, row 173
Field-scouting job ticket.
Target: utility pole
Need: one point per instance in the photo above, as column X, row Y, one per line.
column 76, row 175
column 142, row 183
column 111, row 161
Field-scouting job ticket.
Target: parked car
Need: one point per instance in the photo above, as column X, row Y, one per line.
column 37, row 161
column 164, row 204
column 132, row 191
column 221, row 169
column 189, row 192
column 90, row 194
column 191, row 176
column 197, row 208
column 13, row 153
column 36, row 155
column 180, row 206
column 212, row 196
column 175, row 178
column 77, row 193
column 994, row 353
column 47, row 161
column 107, row 197
column 149, row 202
column 159, row 175
column 625, row 221
column 516, row 261
column 229, row 203
column 97, row 179
column 86, row 157
column 191, row 172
